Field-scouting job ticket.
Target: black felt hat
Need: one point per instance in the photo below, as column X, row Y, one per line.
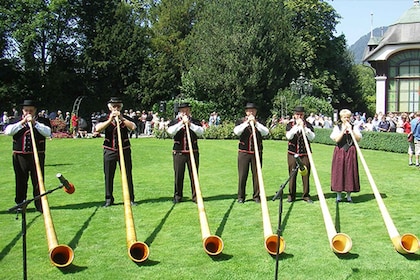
column 115, row 100
column 28, row 102
column 299, row 109
column 250, row 105
column 184, row 105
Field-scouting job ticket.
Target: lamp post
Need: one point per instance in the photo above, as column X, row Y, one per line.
column 301, row 86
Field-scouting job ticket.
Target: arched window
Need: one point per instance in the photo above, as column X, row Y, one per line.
column 404, row 82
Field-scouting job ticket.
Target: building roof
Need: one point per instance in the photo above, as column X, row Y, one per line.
column 406, row 30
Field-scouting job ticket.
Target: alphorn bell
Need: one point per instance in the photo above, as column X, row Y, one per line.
column 137, row 251
column 340, row 242
column 60, row 255
column 212, row 244
column 407, row 243
column 270, row 239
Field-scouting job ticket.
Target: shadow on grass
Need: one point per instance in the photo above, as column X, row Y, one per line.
column 282, row 226
column 222, row 225
column 356, row 199
column 59, row 164
column 149, row 240
column 13, row 242
column 347, row 256
column 72, row 269
column 283, row 256
column 73, row 243
column 410, row 257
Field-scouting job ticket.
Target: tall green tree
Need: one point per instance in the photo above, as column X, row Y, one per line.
column 115, row 48
column 172, row 21
column 41, row 36
column 240, row 51
column 321, row 56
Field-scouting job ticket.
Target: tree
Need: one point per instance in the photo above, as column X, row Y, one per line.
column 239, row 51
column 172, row 22
column 115, row 44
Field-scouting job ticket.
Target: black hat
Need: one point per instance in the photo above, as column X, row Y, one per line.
column 184, row 105
column 115, row 100
column 29, row 102
column 250, row 105
column 299, row 109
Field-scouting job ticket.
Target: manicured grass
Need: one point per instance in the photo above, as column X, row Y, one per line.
column 172, row 232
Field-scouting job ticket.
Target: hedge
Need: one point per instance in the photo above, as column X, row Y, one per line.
column 381, row 141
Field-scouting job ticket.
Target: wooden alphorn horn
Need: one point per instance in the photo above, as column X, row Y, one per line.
column 407, row 243
column 340, row 242
column 270, row 239
column 212, row 244
column 137, row 251
column 60, row 255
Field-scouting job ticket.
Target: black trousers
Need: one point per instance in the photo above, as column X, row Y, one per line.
column 244, row 161
column 110, row 164
column 180, row 160
column 24, row 166
column 305, row 179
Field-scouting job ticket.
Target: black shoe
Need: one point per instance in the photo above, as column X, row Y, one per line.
column 290, row 199
column 108, row 202
column 240, row 200
column 176, row 200
column 257, row 200
column 308, row 200
column 133, row 203
column 337, row 200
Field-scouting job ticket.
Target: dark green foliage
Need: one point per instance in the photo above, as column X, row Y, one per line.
column 223, row 53
column 223, row 131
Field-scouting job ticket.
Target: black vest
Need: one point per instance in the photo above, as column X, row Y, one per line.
column 22, row 140
column 111, row 136
column 180, row 138
column 246, row 141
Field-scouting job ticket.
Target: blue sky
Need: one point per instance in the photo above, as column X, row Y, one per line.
column 356, row 16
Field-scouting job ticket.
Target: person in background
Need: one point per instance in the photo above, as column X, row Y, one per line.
column 415, row 129
column 384, row 124
column 296, row 146
column 406, row 126
column 74, row 124
column 111, row 148
column 246, row 151
column 23, row 151
column 181, row 149
column 344, row 168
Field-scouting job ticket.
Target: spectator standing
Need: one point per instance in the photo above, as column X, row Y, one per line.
column 415, row 129
column 407, row 130
column 74, row 124
column 5, row 120
column 375, row 122
column 383, row 125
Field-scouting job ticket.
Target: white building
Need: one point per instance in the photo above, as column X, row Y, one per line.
column 396, row 59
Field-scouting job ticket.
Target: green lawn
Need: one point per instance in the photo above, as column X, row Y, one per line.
column 172, row 232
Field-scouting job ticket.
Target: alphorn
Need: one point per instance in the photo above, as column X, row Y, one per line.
column 212, row 244
column 270, row 239
column 340, row 242
column 407, row 243
column 137, row 251
column 60, row 255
